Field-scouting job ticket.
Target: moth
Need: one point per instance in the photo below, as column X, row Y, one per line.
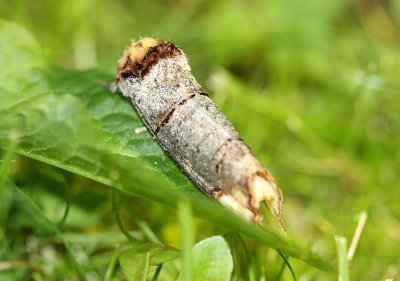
column 155, row 75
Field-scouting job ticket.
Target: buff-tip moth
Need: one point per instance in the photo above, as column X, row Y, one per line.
column 156, row 76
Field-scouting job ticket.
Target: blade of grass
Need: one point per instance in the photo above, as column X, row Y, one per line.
column 157, row 273
column 357, row 235
column 5, row 194
column 54, row 228
column 148, row 233
column 67, row 207
column 286, row 262
column 187, row 230
column 6, row 163
column 143, row 226
column 341, row 245
column 111, row 265
column 117, row 216
column 146, row 267
column 241, row 255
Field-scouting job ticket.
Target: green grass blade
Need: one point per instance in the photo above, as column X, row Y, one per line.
column 146, row 267
column 111, row 266
column 187, row 230
column 341, row 245
column 54, row 228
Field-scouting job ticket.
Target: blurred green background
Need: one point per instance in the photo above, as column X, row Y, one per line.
column 312, row 86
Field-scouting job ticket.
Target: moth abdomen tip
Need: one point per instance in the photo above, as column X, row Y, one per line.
column 142, row 55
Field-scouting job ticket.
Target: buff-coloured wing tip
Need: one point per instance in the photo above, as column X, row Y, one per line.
column 264, row 189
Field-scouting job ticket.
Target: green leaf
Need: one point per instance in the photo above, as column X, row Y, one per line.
column 133, row 260
column 67, row 119
column 20, row 60
column 212, row 259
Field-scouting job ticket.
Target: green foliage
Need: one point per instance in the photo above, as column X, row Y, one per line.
column 311, row 86
column 85, row 129
column 187, row 232
column 212, row 260
column 341, row 244
column 135, row 260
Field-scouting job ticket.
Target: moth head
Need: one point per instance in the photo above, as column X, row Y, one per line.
column 137, row 51
column 142, row 55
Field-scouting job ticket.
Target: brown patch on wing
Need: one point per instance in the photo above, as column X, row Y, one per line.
column 164, row 117
column 138, row 60
column 217, row 193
